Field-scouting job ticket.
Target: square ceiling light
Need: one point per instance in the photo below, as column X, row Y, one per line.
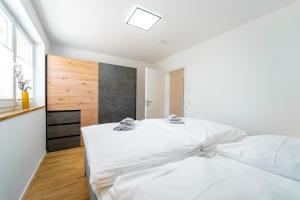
column 143, row 19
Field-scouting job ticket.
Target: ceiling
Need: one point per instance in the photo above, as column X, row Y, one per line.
column 99, row 25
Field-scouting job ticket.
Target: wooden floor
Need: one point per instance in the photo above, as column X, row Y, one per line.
column 60, row 177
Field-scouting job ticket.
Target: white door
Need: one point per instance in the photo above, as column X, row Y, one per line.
column 154, row 93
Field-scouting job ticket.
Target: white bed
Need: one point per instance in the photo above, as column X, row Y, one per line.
column 111, row 154
column 162, row 161
column 199, row 178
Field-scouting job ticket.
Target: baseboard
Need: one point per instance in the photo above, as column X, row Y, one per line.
column 32, row 176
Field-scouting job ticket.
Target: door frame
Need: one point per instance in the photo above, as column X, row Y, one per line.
column 186, row 88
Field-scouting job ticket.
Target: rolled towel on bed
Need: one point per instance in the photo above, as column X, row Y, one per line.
column 127, row 121
column 125, row 125
column 174, row 119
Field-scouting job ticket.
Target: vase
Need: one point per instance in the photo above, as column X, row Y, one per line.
column 25, row 100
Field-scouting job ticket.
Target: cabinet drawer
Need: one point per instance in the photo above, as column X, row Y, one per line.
column 63, row 117
column 63, row 130
column 63, row 143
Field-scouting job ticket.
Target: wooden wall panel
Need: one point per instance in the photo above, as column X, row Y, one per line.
column 177, row 92
column 73, row 85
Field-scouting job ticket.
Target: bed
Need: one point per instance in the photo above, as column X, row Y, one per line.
column 176, row 167
column 200, row 178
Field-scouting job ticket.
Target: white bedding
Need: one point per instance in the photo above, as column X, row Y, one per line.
column 152, row 142
column 206, row 132
column 198, row 178
column 275, row 153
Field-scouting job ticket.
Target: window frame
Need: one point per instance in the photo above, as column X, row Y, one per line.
column 9, row 17
column 27, row 38
column 15, row 103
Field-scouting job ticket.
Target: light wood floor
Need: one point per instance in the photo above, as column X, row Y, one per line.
column 60, row 177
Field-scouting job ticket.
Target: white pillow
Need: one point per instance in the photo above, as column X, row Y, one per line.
column 274, row 153
column 207, row 132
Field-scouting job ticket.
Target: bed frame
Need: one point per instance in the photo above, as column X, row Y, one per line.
column 92, row 195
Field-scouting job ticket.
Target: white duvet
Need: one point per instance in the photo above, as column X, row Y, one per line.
column 198, row 178
column 152, row 143
column 275, row 153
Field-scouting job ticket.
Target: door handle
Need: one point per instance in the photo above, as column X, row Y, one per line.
column 148, row 102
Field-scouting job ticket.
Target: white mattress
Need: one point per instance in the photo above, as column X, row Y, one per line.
column 152, row 143
column 198, row 178
column 111, row 153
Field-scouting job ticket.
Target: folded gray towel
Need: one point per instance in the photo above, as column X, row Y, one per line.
column 172, row 116
column 177, row 122
column 127, row 121
column 123, row 128
column 174, row 119
column 125, row 125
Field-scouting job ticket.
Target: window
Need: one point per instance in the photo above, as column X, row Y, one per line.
column 15, row 49
column 24, row 53
column 6, row 61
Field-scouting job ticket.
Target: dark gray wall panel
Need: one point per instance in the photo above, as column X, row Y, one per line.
column 117, row 89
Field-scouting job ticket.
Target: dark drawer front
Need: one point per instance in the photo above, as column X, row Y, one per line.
column 63, row 130
column 63, row 143
column 63, row 117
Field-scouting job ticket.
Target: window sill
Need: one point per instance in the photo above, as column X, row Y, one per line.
column 15, row 113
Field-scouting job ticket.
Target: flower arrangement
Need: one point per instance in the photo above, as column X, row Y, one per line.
column 21, row 82
column 23, row 85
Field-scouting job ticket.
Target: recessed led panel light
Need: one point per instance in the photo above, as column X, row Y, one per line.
column 143, row 19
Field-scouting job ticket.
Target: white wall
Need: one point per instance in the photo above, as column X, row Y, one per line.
column 22, row 146
column 103, row 58
column 23, row 138
column 248, row 77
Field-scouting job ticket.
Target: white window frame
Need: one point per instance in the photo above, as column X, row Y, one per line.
column 15, row 103
column 7, row 105
column 27, row 38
